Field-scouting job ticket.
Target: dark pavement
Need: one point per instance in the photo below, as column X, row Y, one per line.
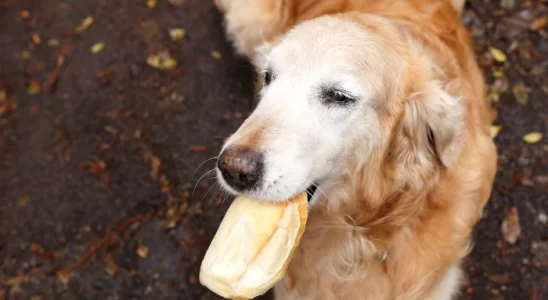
column 98, row 166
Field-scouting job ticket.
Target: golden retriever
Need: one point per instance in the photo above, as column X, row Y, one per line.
column 378, row 109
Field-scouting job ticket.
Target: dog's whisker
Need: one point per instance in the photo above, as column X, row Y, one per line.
column 205, row 161
column 196, row 185
column 216, row 191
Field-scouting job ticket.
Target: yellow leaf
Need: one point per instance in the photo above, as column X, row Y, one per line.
column 520, row 93
column 171, row 218
column 495, row 130
column 2, row 95
column 495, row 97
column 176, row 33
column 532, row 137
column 162, row 61
column 507, row 3
column 34, row 88
column 97, row 47
column 151, row 3
column 85, row 24
column 53, row 42
column 498, row 74
column 216, row 55
column 497, row 54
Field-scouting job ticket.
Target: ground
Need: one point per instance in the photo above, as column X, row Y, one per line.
column 100, row 151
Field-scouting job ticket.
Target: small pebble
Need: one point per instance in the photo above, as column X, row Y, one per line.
column 543, row 218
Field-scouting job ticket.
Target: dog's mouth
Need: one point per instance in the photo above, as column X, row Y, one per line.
column 310, row 191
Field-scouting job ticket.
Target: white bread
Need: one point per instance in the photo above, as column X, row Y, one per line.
column 253, row 246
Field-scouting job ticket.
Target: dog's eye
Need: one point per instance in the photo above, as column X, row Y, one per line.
column 336, row 96
column 267, row 76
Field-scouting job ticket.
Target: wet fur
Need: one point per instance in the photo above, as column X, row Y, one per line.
column 397, row 224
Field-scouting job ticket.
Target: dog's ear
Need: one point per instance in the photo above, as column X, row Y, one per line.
column 433, row 122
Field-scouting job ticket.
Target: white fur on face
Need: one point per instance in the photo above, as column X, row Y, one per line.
column 305, row 140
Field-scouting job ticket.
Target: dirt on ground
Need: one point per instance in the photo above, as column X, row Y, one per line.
column 110, row 113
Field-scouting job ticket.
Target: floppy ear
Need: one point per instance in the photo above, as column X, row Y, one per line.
column 434, row 121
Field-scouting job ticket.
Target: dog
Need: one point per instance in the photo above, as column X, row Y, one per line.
column 377, row 108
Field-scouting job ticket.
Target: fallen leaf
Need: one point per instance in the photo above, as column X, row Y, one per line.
column 520, row 93
column 25, row 14
column 151, row 3
column 171, row 218
column 97, row 47
column 507, row 3
column 532, row 137
column 165, row 184
column 538, row 70
column 498, row 73
column 176, row 33
column 110, row 265
column 36, row 38
column 198, row 148
column 494, row 96
column 162, row 61
column 500, row 278
column 175, row 2
column 539, row 23
column 510, row 227
column 497, row 54
column 2, row 95
column 23, row 201
column 155, row 164
column 34, row 88
column 63, row 276
column 24, row 55
column 53, row 42
column 495, row 130
column 216, row 55
column 142, row 251
column 6, row 107
column 96, row 167
column 15, row 282
column 173, row 215
column 85, row 24
column 110, row 129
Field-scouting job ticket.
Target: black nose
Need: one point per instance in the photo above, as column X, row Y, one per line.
column 241, row 167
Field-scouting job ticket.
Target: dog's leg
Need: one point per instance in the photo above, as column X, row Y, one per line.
column 252, row 23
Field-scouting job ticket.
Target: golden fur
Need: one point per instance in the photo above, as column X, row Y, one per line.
column 403, row 218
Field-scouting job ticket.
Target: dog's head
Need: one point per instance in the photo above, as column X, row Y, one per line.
column 337, row 91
